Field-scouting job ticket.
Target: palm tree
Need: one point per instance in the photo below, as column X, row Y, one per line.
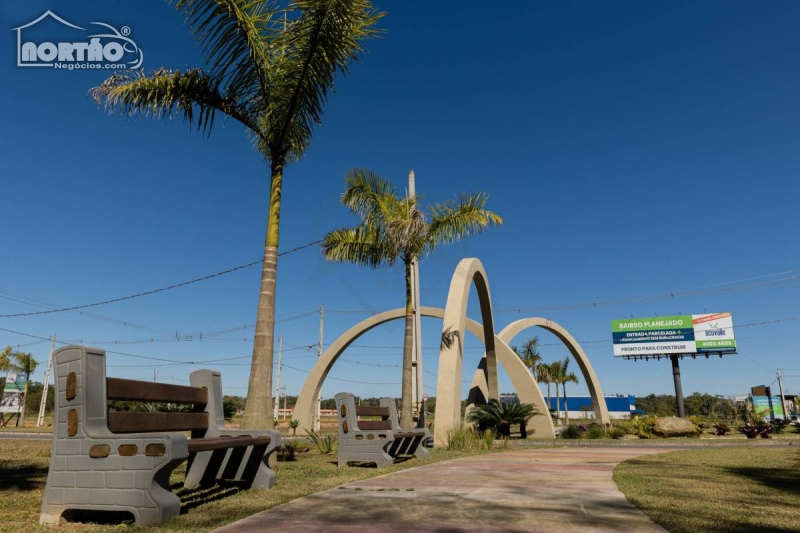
column 543, row 376
column 396, row 229
column 529, row 353
column 556, row 374
column 501, row 416
column 564, row 377
column 270, row 69
column 24, row 363
column 5, row 362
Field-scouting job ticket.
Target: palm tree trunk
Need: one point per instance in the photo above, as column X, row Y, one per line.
column 558, row 404
column 566, row 409
column 407, row 414
column 548, row 397
column 258, row 409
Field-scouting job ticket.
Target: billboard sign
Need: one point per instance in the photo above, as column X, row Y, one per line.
column 13, row 394
column 681, row 334
column 770, row 405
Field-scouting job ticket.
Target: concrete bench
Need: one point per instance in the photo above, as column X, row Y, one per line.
column 113, row 461
column 372, row 434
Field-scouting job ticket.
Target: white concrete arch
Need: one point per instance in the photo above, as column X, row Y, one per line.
column 595, row 391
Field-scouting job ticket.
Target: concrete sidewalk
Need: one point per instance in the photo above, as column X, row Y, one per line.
column 541, row 490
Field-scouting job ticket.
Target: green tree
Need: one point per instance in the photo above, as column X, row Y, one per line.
column 271, row 69
column 396, row 229
column 556, row 375
column 500, row 417
column 565, row 377
column 5, row 361
column 543, row 376
column 23, row 363
column 529, row 353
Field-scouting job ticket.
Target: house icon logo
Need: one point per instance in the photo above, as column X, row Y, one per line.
column 113, row 49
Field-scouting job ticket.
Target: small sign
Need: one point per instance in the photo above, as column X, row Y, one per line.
column 424, row 397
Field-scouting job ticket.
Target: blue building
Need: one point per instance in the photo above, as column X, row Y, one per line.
column 581, row 406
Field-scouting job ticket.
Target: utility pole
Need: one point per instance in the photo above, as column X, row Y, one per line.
column 416, row 330
column 278, row 379
column 284, row 402
column 783, row 398
column 318, row 415
column 43, row 403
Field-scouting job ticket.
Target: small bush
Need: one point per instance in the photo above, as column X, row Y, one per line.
column 294, row 424
column 721, row 429
column 642, row 427
column 465, row 438
column 571, row 432
column 615, row 433
column 325, row 444
column 778, row 425
column 595, row 431
column 288, row 451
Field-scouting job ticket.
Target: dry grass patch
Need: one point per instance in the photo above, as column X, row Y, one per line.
column 717, row 490
column 24, row 465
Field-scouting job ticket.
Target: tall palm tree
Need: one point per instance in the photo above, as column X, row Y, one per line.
column 24, row 363
column 529, row 353
column 5, row 362
column 556, row 374
column 564, row 377
column 543, row 376
column 395, row 229
column 270, row 69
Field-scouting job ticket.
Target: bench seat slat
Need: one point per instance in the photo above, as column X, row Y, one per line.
column 203, row 445
column 127, row 422
column 145, row 391
column 408, row 434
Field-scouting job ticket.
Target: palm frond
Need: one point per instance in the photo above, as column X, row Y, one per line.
column 361, row 245
column 408, row 234
column 193, row 94
column 453, row 220
column 368, row 195
column 237, row 38
column 322, row 41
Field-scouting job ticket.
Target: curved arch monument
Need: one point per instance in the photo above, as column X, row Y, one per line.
column 484, row 384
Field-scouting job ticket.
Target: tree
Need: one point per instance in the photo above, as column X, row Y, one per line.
column 270, row 69
column 566, row 377
column 500, row 417
column 396, row 229
column 23, row 363
column 556, row 374
column 5, row 362
column 529, row 353
column 543, row 376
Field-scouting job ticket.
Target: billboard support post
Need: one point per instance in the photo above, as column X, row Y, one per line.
column 676, row 376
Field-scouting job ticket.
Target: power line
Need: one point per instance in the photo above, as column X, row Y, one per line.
column 155, row 291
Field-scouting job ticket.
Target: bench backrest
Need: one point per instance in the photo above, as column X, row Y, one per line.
column 81, row 374
column 373, row 412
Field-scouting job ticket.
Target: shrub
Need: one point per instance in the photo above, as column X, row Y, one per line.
column 288, row 450
column 294, row 424
column 571, row 432
column 642, row 427
column 721, row 429
column 595, row 431
column 615, row 433
column 778, row 425
column 501, row 416
column 324, row 443
column 465, row 438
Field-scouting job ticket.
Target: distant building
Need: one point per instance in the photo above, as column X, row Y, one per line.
column 581, row 406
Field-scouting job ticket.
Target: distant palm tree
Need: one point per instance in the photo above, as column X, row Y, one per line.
column 501, row 416
column 395, row 228
column 23, row 363
column 5, row 362
column 556, row 376
column 564, row 377
column 529, row 353
column 270, row 69
column 543, row 376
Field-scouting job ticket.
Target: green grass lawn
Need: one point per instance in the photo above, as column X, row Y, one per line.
column 717, row 490
column 24, row 465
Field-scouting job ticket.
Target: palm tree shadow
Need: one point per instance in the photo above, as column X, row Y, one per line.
column 785, row 479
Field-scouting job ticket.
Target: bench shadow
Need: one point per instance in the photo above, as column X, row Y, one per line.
column 193, row 498
column 24, row 477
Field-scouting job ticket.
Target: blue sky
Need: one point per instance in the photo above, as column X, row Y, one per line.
column 634, row 149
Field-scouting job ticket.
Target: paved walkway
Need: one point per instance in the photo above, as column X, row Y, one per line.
column 551, row 490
